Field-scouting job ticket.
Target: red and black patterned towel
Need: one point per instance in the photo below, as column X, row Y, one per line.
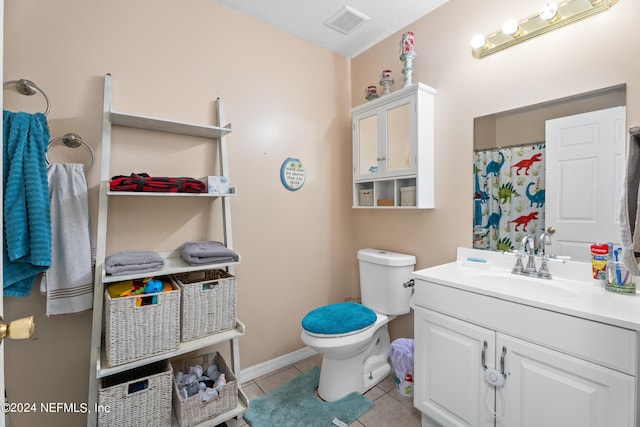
column 144, row 182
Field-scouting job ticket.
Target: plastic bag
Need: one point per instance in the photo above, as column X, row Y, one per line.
column 401, row 355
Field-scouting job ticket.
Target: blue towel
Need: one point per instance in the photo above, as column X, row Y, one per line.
column 27, row 220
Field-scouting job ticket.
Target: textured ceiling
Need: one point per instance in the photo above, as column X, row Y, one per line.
column 306, row 19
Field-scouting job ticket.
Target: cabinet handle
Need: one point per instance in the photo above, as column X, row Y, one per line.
column 484, row 351
column 381, row 159
column 504, row 353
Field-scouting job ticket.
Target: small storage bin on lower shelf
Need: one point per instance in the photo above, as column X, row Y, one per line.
column 192, row 411
column 141, row 326
column 208, row 302
column 408, row 196
column 139, row 397
column 366, row 197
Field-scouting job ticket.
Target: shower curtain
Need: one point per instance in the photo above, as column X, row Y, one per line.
column 509, row 195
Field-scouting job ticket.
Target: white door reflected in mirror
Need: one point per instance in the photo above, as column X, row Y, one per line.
column 585, row 163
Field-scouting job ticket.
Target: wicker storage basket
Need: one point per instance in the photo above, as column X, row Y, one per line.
column 192, row 411
column 140, row 397
column 408, row 196
column 208, row 302
column 366, row 197
column 134, row 332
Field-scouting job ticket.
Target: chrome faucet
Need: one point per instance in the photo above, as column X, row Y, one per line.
column 527, row 247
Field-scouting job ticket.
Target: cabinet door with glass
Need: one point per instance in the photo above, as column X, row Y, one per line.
column 384, row 139
column 366, row 158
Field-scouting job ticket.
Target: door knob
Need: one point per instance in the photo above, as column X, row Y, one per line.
column 18, row 329
column 551, row 230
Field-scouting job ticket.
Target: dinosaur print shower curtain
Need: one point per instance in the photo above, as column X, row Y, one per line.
column 509, row 196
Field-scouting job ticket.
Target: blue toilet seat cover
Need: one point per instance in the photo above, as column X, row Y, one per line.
column 340, row 318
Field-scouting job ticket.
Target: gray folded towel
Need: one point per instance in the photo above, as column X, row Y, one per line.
column 207, row 253
column 133, row 262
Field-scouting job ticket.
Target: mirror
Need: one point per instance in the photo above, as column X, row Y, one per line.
column 399, row 137
column 368, row 144
column 395, row 155
column 509, row 166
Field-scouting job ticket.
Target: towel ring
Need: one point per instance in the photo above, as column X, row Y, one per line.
column 27, row 87
column 72, row 140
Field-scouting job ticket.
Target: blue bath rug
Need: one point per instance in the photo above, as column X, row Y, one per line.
column 294, row 404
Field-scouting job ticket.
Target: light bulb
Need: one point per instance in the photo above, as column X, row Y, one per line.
column 512, row 28
column 549, row 12
column 478, row 42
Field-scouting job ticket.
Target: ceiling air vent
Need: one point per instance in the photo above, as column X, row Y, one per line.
column 346, row 20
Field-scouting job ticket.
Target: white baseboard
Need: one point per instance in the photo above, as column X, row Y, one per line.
column 264, row 368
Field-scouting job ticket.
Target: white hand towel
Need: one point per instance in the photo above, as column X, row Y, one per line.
column 68, row 283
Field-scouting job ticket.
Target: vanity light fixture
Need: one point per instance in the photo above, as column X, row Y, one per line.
column 551, row 16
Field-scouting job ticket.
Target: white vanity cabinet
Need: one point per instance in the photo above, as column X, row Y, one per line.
column 393, row 149
column 561, row 370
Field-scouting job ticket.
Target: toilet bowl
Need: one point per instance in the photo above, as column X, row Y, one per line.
column 345, row 355
column 352, row 338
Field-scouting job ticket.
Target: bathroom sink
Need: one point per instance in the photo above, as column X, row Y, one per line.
column 523, row 286
column 571, row 290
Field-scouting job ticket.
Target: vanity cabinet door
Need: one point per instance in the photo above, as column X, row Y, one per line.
column 449, row 385
column 549, row 388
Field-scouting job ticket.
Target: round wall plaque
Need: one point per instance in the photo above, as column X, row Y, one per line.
column 292, row 174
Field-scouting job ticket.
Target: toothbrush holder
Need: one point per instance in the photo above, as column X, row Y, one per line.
column 619, row 279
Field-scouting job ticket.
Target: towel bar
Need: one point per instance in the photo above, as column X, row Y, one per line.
column 634, row 130
column 72, row 140
column 27, row 87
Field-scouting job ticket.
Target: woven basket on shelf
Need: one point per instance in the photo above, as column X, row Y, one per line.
column 140, row 397
column 366, row 197
column 208, row 302
column 135, row 331
column 408, row 196
column 192, row 411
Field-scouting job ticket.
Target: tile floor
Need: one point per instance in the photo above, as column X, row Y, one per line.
column 391, row 408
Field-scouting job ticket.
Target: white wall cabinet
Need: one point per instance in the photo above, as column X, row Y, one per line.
column 393, row 149
column 556, row 377
column 173, row 261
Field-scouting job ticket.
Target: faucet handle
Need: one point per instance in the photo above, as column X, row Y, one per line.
column 518, row 267
column 544, row 270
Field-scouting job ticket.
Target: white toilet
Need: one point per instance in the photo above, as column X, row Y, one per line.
column 354, row 338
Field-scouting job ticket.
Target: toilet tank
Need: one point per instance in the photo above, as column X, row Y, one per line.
column 382, row 275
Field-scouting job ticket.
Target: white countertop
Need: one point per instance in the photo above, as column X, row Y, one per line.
column 571, row 291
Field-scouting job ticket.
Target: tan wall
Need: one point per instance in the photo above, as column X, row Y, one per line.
column 284, row 98
column 592, row 54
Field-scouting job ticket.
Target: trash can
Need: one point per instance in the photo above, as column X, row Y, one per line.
column 401, row 355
